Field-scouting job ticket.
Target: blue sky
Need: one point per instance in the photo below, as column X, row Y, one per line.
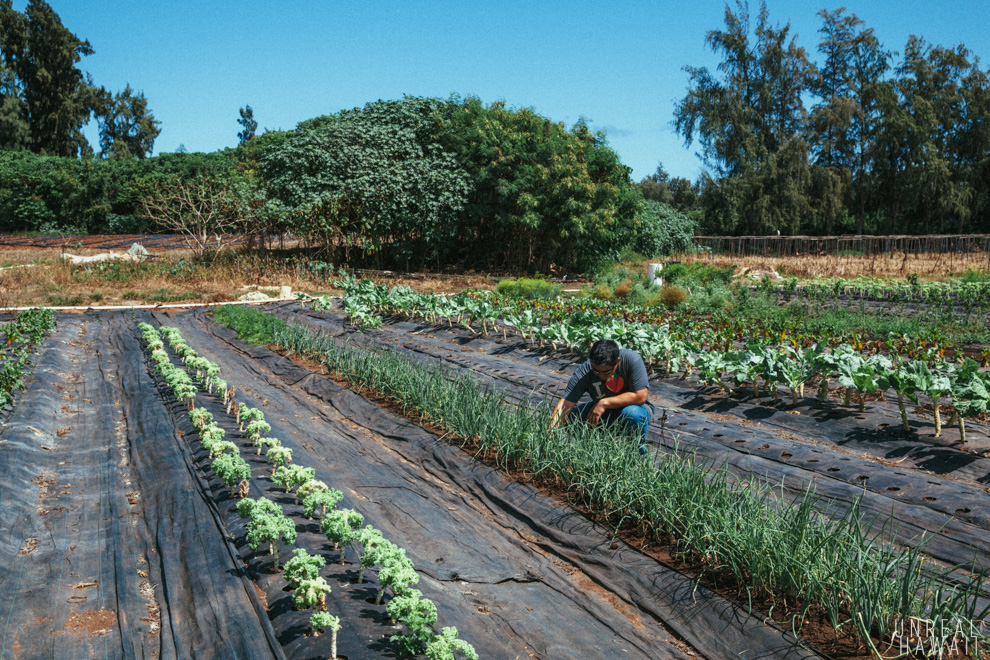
column 618, row 64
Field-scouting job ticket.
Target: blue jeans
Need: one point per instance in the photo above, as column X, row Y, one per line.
column 636, row 418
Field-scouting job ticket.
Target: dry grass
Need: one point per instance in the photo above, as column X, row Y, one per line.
column 49, row 281
column 893, row 265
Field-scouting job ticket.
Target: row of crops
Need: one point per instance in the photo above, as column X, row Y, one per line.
column 21, row 335
column 727, row 360
column 268, row 524
column 973, row 297
column 740, row 532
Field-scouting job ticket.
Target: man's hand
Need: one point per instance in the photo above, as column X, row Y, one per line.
column 595, row 415
column 562, row 409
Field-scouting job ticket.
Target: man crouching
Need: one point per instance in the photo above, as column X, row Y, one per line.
column 618, row 385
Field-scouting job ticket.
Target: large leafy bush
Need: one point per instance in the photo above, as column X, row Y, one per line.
column 662, row 230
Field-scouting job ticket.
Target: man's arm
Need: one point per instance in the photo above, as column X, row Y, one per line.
column 562, row 409
column 636, row 398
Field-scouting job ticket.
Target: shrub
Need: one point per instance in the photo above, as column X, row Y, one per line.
column 622, row 290
column 529, row 288
column 662, row 230
column 642, row 295
column 673, row 296
column 602, row 291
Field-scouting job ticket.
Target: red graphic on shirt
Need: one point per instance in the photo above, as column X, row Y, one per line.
column 615, row 384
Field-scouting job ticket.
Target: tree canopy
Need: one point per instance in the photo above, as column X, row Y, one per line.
column 875, row 153
column 45, row 99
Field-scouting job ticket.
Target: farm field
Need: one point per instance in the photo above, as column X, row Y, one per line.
column 121, row 541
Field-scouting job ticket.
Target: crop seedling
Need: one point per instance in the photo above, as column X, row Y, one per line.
column 311, row 594
column 374, row 549
column 210, row 435
column 396, row 572
column 279, row 456
column 341, row 526
column 302, row 566
column 447, row 646
column 322, row 501
column 267, row 443
column 232, row 470
column 418, row 614
column 266, row 523
column 320, row 620
column 257, row 428
column 292, row 476
column 221, row 447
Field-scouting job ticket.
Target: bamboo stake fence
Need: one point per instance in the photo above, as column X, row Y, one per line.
column 938, row 252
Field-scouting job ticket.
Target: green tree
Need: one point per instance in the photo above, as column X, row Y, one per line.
column 370, row 183
column 248, row 124
column 750, row 123
column 842, row 125
column 920, row 145
column 544, row 198
column 15, row 130
column 656, row 187
column 57, row 97
column 127, row 127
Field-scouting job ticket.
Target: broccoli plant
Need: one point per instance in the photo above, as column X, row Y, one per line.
column 935, row 385
column 446, row 645
column 970, row 394
column 865, row 376
column 397, row 572
column 320, row 620
column 902, row 379
column 341, row 526
column 221, row 447
column 232, row 469
column 711, row 366
column 279, row 456
column 324, row 500
column 302, row 566
column 292, row 476
column 311, row 594
column 257, row 428
column 799, row 368
column 262, row 443
column 418, row 614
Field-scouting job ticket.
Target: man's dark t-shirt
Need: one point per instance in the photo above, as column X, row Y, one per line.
column 629, row 377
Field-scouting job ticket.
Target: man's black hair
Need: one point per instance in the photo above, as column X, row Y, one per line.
column 604, row 353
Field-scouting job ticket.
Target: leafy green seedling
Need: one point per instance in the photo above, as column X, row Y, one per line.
column 324, row 500
column 302, row 566
column 446, row 646
column 341, row 526
column 320, row 620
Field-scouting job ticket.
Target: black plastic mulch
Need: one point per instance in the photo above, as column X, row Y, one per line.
column 515, row 572
column 829, row 448
column 107, row 548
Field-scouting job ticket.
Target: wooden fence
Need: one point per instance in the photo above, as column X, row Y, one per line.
column 940, row 251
